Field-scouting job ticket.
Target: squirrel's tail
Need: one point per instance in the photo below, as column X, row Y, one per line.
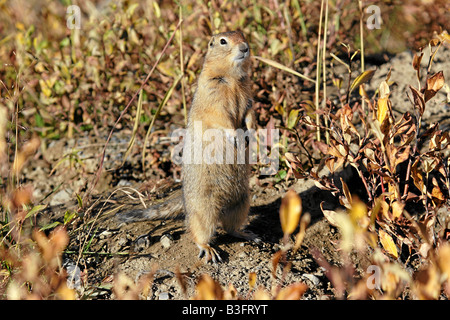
column 169, row 209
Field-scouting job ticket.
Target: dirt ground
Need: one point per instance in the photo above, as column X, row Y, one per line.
column 138, row 248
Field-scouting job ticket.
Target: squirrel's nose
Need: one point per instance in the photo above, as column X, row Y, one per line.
column 243, row 47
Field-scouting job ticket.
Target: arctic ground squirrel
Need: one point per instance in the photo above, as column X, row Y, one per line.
column 215, row 182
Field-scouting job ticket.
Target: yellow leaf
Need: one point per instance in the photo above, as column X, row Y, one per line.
column 384, row 208
column 383, row 109
column 383, row 89
column 397, row 209
column 252, row 280
column 279, row 108
column 157, row 9
column 358, row 214
column 362, row 78
column 388, row 244
column 290, row 211
column 44, row 87
column 167, row 68
column 20, row 26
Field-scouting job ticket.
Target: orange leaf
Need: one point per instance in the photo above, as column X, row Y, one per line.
column 290, row 211
column 292, row 292
column 402, row 156
column 208, row 289
column 436, row 193
column 434, row 84
column 444, row 259
column 417, row 176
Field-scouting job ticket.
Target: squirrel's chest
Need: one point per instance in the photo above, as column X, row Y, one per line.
column 221, row 105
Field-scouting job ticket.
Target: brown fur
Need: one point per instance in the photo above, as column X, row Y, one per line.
column 215, row 194
column 219, row 193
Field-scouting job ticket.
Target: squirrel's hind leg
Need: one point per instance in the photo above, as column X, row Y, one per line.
column 202, row 226
column 235, row 218
column 209, row 253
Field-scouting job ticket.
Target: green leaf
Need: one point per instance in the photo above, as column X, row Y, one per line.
column 280, row 175
column 293, row 118
column 80, row 201
column 39, row 120
column 50, row 225
column 90, row 241
column 68, row 216
column 64, row 42
column 35, row 210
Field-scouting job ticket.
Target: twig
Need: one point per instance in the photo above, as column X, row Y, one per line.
column 324, row 68
column 318, row 72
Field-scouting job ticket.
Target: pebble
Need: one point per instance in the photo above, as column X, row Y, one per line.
column 312, row 278
column 124, row 183
column 166, row 241
column 163, row 295
column 61, row 197
column 105, row 234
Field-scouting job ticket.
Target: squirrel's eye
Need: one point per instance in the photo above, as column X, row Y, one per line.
column 223, row 41
column 211, row 44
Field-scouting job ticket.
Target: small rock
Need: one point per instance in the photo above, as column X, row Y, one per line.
column 163, row 295
column 105, row 234
column 242, row 254
column 124, row 183
column 312, row 278
column 73, row 275
column 119, row 244
column 61, row 197
column 142, row 242
column 166, row 240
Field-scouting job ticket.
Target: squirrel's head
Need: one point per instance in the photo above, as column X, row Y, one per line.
column 229, row 51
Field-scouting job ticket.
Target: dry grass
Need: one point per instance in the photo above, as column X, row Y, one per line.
column 58, row 82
